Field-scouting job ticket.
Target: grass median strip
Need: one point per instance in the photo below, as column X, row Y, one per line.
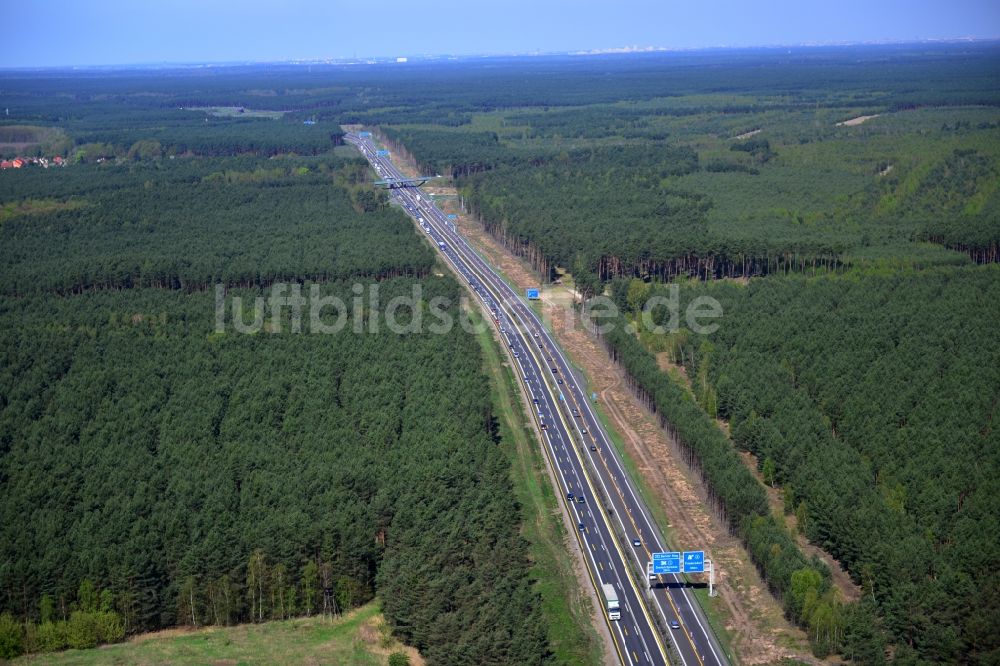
column 566, row 608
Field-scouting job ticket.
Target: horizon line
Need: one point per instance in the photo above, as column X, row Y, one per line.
column 422, row 57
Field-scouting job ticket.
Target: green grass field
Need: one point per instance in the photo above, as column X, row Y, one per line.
column 354, row 639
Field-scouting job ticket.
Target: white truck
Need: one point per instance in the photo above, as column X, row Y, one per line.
column 611, row 598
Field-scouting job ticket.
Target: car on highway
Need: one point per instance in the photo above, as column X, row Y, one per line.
column 451, row 246
column 674, row 624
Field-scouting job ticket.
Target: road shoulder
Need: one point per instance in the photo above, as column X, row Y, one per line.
column 751, row 617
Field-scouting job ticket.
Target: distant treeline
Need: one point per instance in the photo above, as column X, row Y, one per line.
column 194, row 226
column 264, row 138
column 605, row 213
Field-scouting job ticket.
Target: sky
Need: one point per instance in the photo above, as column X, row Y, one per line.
column 53, row 33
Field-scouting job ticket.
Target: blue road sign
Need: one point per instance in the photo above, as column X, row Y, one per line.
column 666, row 563
column 365, row 135
column 452, row 216
column 532, row 294
column 382, row 153
column 694, row 561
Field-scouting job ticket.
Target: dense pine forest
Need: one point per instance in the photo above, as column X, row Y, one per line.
column 840, row 203
column 861, row 172
column 156, row 470
column 191, row 225
column 878, row 433
column 866, row 396
column 206, row 478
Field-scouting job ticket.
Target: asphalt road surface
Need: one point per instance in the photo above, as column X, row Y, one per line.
column 610, row 515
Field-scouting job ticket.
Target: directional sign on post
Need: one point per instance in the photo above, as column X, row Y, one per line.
column 694, row 561
column 452, row 216
column 666, row 563
column 532, row 294
column 382, row 153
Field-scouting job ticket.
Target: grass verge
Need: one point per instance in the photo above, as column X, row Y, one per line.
column 567, row 610
column 715, row 611
column 354, row 639
column 713, row 607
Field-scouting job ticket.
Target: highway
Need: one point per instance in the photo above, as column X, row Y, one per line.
column 597, row 491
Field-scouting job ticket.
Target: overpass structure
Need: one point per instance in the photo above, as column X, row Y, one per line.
column 395, row 183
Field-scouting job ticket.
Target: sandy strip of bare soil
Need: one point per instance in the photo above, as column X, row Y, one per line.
column 857, row 121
